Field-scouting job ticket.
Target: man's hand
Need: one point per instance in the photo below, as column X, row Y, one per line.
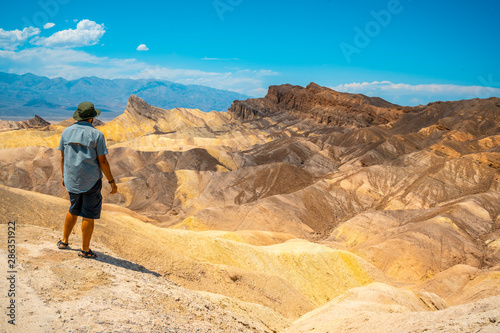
column 114, row 188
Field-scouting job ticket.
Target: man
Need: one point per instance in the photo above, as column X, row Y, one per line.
column 83, row 161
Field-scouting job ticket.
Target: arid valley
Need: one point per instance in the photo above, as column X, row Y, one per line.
column 308, row 210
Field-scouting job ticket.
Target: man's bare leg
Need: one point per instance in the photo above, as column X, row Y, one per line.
column 69, row 223
column 87, row 229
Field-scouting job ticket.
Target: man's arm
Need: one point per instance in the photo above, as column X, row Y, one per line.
column 103, row 163
column 62, row 167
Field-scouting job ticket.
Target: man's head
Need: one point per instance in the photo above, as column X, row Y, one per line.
column 86, row 111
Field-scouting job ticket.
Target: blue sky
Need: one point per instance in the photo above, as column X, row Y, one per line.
column 407, row 51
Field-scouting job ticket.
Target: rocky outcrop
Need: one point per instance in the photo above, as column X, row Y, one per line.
column 323, row 105
column 35, row 122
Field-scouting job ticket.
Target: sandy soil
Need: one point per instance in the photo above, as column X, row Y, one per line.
column 57, row 291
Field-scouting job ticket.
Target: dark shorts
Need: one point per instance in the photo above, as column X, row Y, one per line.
column 87, row 204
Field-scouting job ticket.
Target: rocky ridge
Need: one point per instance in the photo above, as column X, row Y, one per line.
column 35, row 122
column 322, row 105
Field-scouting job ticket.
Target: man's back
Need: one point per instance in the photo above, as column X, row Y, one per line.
column 81, row 144
column 83, row 162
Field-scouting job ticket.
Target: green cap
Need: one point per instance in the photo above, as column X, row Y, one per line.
column 86, row 111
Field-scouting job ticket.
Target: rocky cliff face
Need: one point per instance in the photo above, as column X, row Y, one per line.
column 321, row 104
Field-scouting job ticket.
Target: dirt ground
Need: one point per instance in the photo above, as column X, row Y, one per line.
column 57, row 291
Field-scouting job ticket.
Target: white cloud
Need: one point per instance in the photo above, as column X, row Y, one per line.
column 12, row 39
column 219, row 59
column 142, row 47
column 48, row 25
column 86, row 33
column 407, row 94
column 66, row 63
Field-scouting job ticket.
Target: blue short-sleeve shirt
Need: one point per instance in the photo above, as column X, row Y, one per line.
column 81, row 144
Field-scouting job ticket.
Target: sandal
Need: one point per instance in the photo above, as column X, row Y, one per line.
column 61, row 245
column 89, row 254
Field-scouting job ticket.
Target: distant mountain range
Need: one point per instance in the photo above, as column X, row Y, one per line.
column 23, row 96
